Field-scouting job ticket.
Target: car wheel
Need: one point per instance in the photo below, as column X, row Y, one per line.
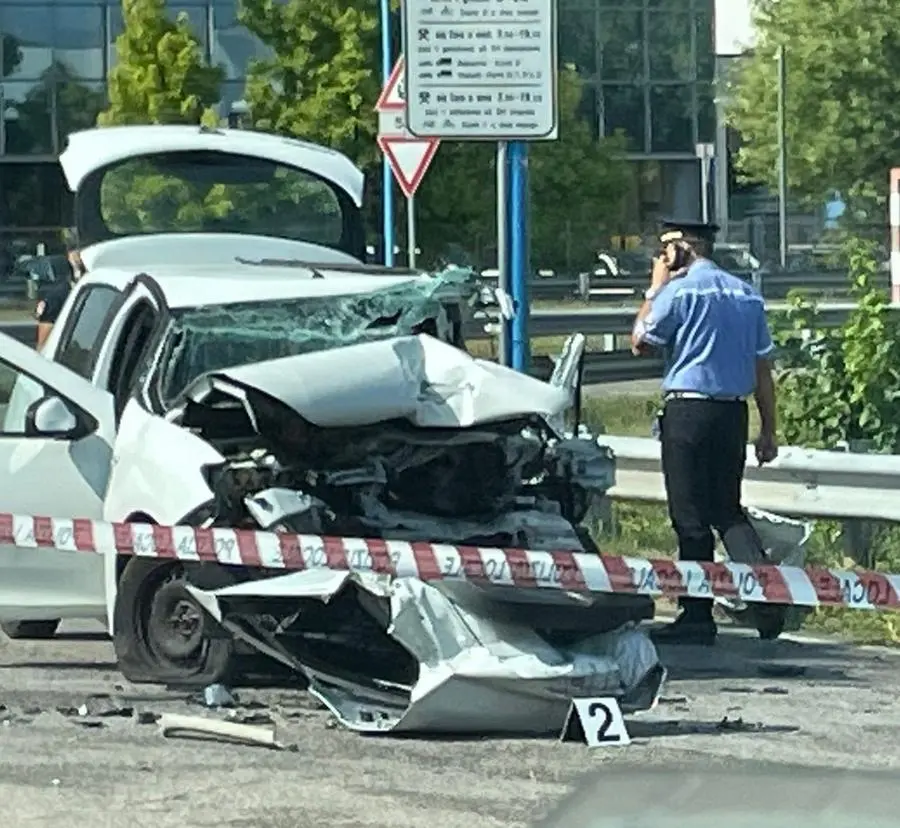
column 770, row 621
column 160, row 634
column 36, row 630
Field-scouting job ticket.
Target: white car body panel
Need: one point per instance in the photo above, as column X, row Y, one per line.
column 54, row 478
column 141, row 253
column 417, row 378
column 93, row 149
column 107, row 352
column 142, row 479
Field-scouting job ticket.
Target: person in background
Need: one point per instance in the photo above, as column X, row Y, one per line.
column 713, row 326
column 52, row 296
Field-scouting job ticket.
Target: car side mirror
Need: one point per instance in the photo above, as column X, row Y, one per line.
column 51, row 417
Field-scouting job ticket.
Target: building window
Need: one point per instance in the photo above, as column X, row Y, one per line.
column 38, row 115
column 35, row 196
column 670, row 47
column 623, row 110
column 706, row 47
column 234, row 47
column 706, row 113
column 578, row 40
column 672, row 119
column 589, row 109
column 39, row 35
column 621, row 34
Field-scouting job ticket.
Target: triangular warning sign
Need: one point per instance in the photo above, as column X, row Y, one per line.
column 409, row 159
column 393, row 96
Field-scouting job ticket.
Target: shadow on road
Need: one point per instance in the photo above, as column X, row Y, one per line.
column 741, row 655
column 81, row 636
column 639, row 729
column 88, row 666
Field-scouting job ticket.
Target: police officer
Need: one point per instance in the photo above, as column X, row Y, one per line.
column 718, row 346
column 53, row 296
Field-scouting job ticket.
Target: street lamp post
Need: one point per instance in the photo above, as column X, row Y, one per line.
column 782, row 158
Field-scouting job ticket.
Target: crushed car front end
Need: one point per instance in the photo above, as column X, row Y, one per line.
column 364, row 417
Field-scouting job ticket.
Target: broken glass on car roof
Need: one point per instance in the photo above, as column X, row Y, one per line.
column 214, row 337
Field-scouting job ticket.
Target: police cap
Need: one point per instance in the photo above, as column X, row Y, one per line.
column 673, row 230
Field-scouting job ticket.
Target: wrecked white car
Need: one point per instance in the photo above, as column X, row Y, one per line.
column 252, row 389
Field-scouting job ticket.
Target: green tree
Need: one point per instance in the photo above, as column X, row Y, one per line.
column 160, row 76
column 842, row 384
column 321, row 83
column 843, row 75
column 577, row 185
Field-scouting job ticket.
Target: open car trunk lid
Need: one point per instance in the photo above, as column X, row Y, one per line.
column 295, row 199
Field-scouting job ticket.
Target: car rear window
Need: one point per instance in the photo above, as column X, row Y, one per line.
column 207, row 192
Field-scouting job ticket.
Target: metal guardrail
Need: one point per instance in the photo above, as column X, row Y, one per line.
column 802, row 482
column 588, row 287
column 599, row 367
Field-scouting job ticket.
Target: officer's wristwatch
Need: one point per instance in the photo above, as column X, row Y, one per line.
column 650, row 293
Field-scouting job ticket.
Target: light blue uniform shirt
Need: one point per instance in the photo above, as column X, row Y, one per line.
column 713, row 326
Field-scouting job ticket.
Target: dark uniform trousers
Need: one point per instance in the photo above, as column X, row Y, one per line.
column 704, row 445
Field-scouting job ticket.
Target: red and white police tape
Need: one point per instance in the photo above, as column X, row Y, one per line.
column 574, row 571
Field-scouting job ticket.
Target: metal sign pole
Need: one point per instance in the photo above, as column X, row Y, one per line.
column 518, row 253
column 387, row 179
column 704, row 186
column 782, row 159
column 411, row 231
column 505, row 352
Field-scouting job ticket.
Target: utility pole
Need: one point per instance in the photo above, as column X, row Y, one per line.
column 782, row 158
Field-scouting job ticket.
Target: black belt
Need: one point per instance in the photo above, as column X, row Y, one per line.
column 696, row 395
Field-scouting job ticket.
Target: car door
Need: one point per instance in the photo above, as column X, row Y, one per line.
column 54, row 463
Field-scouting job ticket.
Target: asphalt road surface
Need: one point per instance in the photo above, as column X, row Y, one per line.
column 808, row 703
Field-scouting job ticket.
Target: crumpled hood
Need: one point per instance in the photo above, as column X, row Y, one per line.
column 415, row 378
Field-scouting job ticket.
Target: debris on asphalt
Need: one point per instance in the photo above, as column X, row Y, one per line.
column 171, row 724
column 738, row 726
column 218, row 695
column 255, row 718
column 116, row 712
column 769, row 691
column 145, row 717
column 99, row 706
column 93, row 724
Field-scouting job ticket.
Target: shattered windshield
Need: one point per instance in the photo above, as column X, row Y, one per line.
column 214, row 337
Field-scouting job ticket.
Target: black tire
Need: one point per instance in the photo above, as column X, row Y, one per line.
column 770, row 621
column 34, row 630
column 151, row 602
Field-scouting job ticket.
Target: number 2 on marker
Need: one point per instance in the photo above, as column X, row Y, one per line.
column 603, row 734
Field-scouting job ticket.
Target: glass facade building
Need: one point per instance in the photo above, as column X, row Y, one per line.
column 647, row 64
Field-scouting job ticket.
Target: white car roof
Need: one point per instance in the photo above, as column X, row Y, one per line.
column 93, row 149
column 211, row 285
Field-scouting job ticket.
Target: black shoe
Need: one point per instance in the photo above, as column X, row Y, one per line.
column 698, row 632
